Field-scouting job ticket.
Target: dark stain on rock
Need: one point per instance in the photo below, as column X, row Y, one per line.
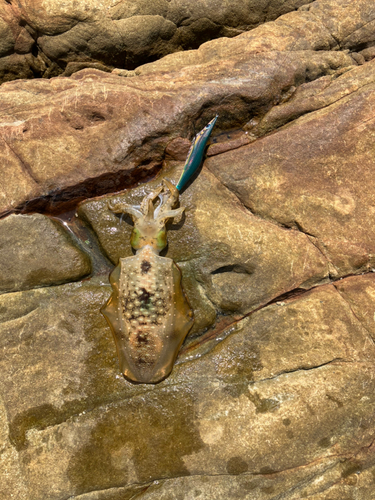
column 145, row 266
column 268, row 489
column 286, row 421
column 236, row 360
column 351, row 467
column 99, row 382
column 237, row 465
column 38, row 417
column 263, row 405
column 236, row 390
column 40, row 276
column 154, row 432
column 249, row 485
column 325, row 442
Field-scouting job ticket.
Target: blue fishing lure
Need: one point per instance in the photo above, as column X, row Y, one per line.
column 195, row 154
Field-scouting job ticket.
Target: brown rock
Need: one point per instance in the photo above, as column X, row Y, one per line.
column 275, row 399
column 73, row 67
column 359, row 291
column 222, row 147
column 122, row 34
column 358, row 58
column 300, row 370
column 7, row 40
column 320, row 25
column 350, row 24
column 241, row 260
column 88, row 134
column 314, row 174
column 24, row 42
column 92, row 107
column 36, row 251
column 178, row 149
column 368, row 53
column 16, row 66
column 312, row 96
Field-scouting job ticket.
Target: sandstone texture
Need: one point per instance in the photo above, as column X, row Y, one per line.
column 272, row 395
column 36, row 251
column 45, row 38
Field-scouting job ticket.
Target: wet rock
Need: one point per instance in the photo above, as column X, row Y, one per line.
column 239, row 260
column 36, row 251
column 54, row 37
column 288, row 389
column 272, row 394
column 12, row 483
column 55, row 334
column 297, row 482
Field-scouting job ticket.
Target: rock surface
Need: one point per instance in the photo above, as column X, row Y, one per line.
column 305, row 176
column 36, row 251
column 288, row 386
column 44, row 38
column 272, row 394
column 95, row 132
column 90, row 133
column 238, row 263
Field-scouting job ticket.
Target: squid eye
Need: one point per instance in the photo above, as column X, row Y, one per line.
column 161, row 239
column 135, row 239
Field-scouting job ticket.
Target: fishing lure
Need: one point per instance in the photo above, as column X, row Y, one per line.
column 148, row 312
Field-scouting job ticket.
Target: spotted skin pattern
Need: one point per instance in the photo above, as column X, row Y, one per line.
column 145, row 304
column 149, row 315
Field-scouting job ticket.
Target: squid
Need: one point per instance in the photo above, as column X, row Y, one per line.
column 148, row 311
